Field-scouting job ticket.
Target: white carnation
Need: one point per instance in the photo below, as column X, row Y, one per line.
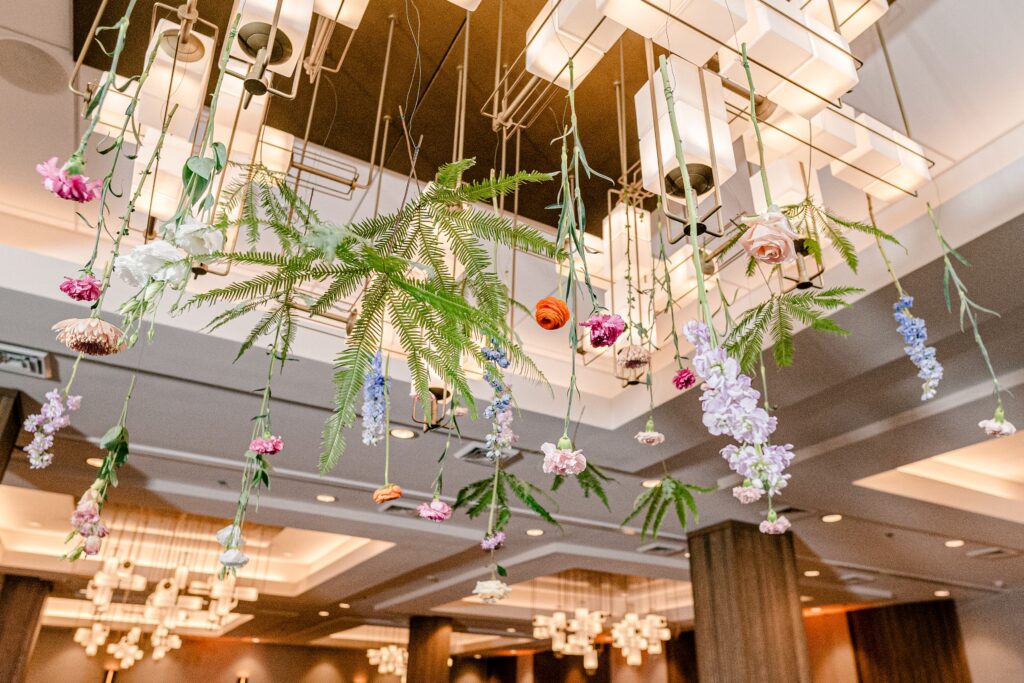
column 196, row 237
column 157, row 260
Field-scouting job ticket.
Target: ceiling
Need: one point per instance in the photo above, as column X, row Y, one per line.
column 849, row 405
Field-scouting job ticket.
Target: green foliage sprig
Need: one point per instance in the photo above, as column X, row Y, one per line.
column 439, row 318
column 493, row 493
column 654, row 504
column 777, row 317
column 591, row 481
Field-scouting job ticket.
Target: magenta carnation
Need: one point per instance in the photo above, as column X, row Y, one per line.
column 67, row 183
column 684, row 379
column 270, row 445
column 86, row 288
column 435, row 511
column 604, row 329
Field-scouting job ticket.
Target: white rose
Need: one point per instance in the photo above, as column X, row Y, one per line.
column 233, row 559
column 491, row 591
column 196, row 237
column 769, row 238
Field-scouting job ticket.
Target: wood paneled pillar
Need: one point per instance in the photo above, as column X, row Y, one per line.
column 21, row 607
column 747, row 617
column 10, row 425
column 429, row 649
column 909, row 643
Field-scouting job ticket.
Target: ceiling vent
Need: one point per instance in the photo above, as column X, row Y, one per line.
column 664, row 548
column 856, row 578
column 24, row 361
column 399, row 507
column 991, row 553
column 475, row 452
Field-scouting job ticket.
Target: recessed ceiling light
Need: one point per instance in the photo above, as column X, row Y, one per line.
column 324, row 613
column 629, row 531
column 815, row 610
column 510, row 629
column 403, row 433
column 94, row 462
column 255, row 640
column 534, row 532
column 35, row 525
column 326, row 498
column 805, row 598
column 811, row 573
column 344, row 605
column 476, row 656
column 650, row 483
column 687, row 554
column 954, row 543
column 287, row 554
column 832, row 518
column 941, row 594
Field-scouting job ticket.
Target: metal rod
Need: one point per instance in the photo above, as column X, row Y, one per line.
column 85, row 48
column 392, row 19
column 651, row 71
column 892, row 77
column 312, row 170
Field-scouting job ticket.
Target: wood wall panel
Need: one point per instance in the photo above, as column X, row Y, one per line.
column 747, row 618
column 912, row 643
column 21, row 605
column 830, row 648
column 429, row 649
column 550, row 669
column 681, row 653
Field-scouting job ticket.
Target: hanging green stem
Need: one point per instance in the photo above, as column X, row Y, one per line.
column 387, row 420
column 671, row 305
column 757, row 128
column 691, row 202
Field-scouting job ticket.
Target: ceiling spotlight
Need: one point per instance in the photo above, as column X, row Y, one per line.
column 344, row 605
column 650, row 483
column 326, row 498
column 806, row 598
column 954, row 543
column 941, row 594
column 811, row 573
column 534, row 532
column 255, row 640
column 324, row 613
column 687, row 554
column 832, row 518
column 94, row 462
column 815, row 610
column 476, row 656
column 510, row 629
column 403, row 433
column 629, row 531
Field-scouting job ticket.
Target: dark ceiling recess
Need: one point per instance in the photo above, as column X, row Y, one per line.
column 347, row 102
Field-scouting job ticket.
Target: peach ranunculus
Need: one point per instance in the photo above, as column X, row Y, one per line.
column 551, row 313
column 769, row 238
column 386, row 493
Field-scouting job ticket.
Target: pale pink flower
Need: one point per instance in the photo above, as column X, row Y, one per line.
column 747, row 494
column 92, row 545
column 66, row 182
column 650, row 438
column 91, row 336
column 562, row 459
column 775, row 527
column 435, row 511
column 604, row 328
column 85, row 288
column 997, row 428
column 269, row 445
column 769, row 238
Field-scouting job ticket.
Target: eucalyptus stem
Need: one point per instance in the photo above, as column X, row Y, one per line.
column 691, row 202
column 757, row 127
column 881, row 250
column 74, row 371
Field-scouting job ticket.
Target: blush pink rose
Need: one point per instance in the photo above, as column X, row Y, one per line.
column 769, row 238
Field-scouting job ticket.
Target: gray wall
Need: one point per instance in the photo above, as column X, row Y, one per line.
column 993, row 632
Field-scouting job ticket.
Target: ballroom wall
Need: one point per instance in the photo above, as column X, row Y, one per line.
column 993, row 632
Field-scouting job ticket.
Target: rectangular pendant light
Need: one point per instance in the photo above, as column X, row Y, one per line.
column 468, row 5
column 824, row 78
column 834, row 131
column 787, row 179
column 776, row 37
column 350, row 14
column 639, row 16
column 855, row 16
column 719, row 19
column 161, row 189
column 275, row 149
column 550, row 48
column 173, row 81
column 876, row 152
column 911, row 174
column 583, row 21
column 236, row 128
column 638, row 259
column 690, row 115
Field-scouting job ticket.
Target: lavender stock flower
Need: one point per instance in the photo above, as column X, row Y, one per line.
column 375, row 388
column 915, row 334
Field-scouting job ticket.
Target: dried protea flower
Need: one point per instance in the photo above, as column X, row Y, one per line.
column 634, row 357
column 90, row 336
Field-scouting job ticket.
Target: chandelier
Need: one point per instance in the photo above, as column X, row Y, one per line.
column 389, row 659
column 127, row 651
column 635, row 635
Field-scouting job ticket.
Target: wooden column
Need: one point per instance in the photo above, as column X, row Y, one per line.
column 10, row 425
column 747, row 617
column 909, row 643
column 681, row 653
column 21, row 606
column 429, row 649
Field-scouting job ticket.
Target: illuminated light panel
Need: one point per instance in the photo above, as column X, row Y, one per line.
column 787, row 178
column 855, row 16
column 828, row 74
column 637, row 15
column 351, row 10
column 812, row 573
column 174, row 82
column 832, row 518
column 326, row 498
column 403, row 433
column 954, row 543
column 712, row 16
column 776, row 37
column 650, row 483
column 549, row 50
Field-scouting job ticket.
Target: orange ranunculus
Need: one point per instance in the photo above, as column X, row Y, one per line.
column 386, row 493
column 552, row 313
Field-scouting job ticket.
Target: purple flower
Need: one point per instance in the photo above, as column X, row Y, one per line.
column 375, row 389
column 435, row 511
column 51, row 418
column 604, row 329
column 493, row 541
column 914, row 336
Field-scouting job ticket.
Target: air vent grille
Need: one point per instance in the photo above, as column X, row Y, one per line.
column 24, row 361
column 401, row 508
column 662, row 548
column 475, row 452
column 992, row 553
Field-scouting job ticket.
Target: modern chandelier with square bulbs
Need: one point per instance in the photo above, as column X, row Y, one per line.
column 677, row 288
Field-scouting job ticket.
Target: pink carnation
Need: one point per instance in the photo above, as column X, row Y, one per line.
column 270, row 445
column 435, row 511
column 684, row 379
column 85, row 288
column 67, row 184
column 747, row 494
column 562, row 461
column 775, row 527
column 604, row 329
column 92, row 544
